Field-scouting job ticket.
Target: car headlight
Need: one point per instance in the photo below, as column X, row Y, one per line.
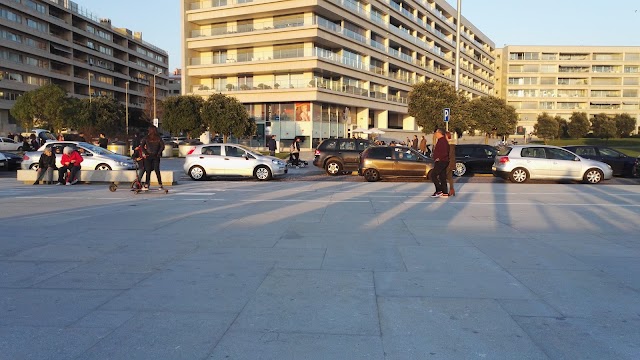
column 278, row 162
column 122, row 163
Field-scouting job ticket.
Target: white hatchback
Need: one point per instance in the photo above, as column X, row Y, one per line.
column 520, row 163
column 7, row 144
column 231, row 160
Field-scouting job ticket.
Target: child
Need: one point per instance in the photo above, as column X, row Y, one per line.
column 138, row 157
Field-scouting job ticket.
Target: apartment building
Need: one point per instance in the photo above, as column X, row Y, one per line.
column 321, row 68
column 561, row 80
column 59, row 42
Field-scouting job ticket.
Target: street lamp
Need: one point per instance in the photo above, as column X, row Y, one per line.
column 458, row 30
column 154, row 94
column 126, row 107
column 89, row 87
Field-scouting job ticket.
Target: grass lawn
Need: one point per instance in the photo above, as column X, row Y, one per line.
column 280, row 155
column 629, row 146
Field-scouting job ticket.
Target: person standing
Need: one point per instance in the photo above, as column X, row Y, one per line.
column 46, row 165
column 135, row 142
column 152, row 146
column 295, row 152
column 271, row 145
column 441, row 158
column 414, row 143
column 71, row 160
column 423, row 145
column 103, row 141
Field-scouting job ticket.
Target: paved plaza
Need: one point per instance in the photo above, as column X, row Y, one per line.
column 320, row 270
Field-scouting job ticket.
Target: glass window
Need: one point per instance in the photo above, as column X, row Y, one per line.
column 232, row 151
column 609, row 152
column 585, row 151
column 533, row 152
column 380, row 153
column 559, row 154
column 330, row 144
column 362, row 144
column 347, row 145
column 212, row 150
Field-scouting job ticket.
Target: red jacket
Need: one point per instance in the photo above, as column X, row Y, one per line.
column 441, row 150
column 74, row 156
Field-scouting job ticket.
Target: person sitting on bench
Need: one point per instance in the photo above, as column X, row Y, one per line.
column 71, row 160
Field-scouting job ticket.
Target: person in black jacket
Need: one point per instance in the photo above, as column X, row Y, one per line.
column 441, row 157
column 271, row 145
column 152, row 147
column 46, row 165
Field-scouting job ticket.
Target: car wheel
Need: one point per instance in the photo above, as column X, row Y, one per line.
column 519, row 175
column 197, row 173
column 34, row 166
column 593, row 176
column 460, row 169
column 371, row 175
column 333, row 167
column 103, row 167
column 262, row 173
column 20, row 148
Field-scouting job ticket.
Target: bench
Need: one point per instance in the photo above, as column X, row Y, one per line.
column 101, row 176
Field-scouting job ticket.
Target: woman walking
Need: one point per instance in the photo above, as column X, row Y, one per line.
column 152, row 147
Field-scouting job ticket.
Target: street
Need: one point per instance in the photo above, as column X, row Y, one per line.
column 320, row 270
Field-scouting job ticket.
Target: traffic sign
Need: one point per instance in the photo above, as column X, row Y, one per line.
column 447, row 112
column 155, row 122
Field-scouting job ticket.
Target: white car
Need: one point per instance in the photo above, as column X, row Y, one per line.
column 7, row 144
column 93, row 157
column 520, row 163
column 231, row 160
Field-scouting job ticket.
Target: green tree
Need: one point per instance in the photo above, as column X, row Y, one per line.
column 102, row 114
column 563, row 127
column 427, row 102
column 603, row 126
column 45, row 107
column 546, row 127
column 625, row 124
column 226, row 115
column 578, row 125
column 183, row 114
column 490, row 114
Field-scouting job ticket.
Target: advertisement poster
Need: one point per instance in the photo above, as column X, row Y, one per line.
column 302, row 111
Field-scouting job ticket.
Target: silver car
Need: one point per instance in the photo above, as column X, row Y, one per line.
column 520, row 163
column 231, row 160
column 93, row 157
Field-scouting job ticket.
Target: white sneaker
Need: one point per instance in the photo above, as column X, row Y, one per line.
column 68, row 184
column 74, row 182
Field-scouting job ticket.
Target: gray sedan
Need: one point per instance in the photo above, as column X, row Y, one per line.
column 94, row 157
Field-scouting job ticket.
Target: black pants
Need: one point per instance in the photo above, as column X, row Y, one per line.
column 295, row 159
column 152, row 164
column 42, row 172
column 63, row 171
column 440, row 176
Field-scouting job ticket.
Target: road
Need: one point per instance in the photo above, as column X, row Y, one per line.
column 320, row 270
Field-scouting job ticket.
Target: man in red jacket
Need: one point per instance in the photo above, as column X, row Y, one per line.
column 71, row 160
column 441, row 158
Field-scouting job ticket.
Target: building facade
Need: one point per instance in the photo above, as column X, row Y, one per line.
column 319, row 69
column 59, row 42
column 561, row 80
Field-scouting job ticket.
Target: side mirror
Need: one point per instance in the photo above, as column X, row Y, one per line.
column 576, row 159
column 246, row 157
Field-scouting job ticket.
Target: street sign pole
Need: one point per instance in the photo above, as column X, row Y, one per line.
column 447, row 113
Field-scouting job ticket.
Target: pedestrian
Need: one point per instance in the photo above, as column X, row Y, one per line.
column 71, row 160
column 46, row 165
column 135, row 142
column 294, row 152
column 414, row 143
column 26, row 145
column 103, row 141
column 441, row 158
column 60, row 137
column 81, row 137
column 152, row 146
column 138, row 157
column 34, row 144
column 423, row 145
column 271, row 145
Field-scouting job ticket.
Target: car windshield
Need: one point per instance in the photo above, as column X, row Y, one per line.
column 249, row 150
column 96, row 149
column 504, row 150
column 48, row 135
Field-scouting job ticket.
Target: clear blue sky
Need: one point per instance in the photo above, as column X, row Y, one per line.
column 515, row 22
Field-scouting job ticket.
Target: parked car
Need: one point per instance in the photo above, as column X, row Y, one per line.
column 339, row 156
column 380, row 162
column 41, row 134
column 520, row 163
column 231, row 160
column 12, row 161
column 3, row 162
column 474, row 158
column 7, row 144
column 622, row 164
column 94, row 157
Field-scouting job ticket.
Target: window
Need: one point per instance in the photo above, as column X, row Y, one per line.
column 585, row 151
column 559, row 154
column 212, row 150
column 330, row 144
column 288, row 21
column 347, row 145
column 610, row 153
column 405, row 154
column 362, row 144
column 232, row 151
column 533, row 152
column 380, row 153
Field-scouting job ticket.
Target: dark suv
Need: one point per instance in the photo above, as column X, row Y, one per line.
column 339, row 156
column 474, row 158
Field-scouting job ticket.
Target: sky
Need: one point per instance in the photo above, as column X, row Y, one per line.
column 505, row 22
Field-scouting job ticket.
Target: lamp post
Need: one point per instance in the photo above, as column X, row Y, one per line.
column 458, row 30
column 154, row 94
column 126, row 108
column 89, row 87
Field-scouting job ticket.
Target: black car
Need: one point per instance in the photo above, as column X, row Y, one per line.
column 13, row 160
column 339, row 156
column 622, row 164
column 474, row 158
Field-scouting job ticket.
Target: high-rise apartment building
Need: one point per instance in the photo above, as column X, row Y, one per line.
column 319, row 69
column 561, row 80
column 59, row 42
